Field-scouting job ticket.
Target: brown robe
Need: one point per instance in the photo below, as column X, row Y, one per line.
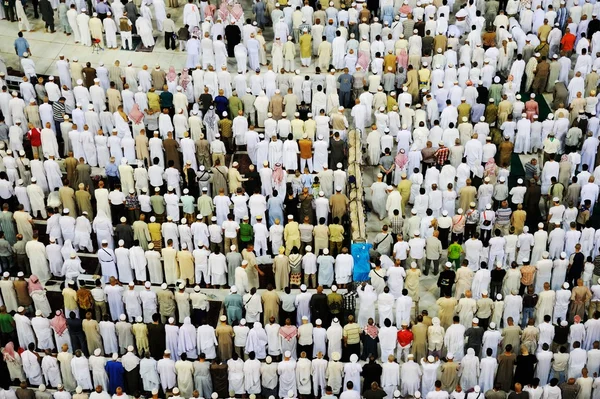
column 276, row 106
column 84, row 172
column 84, row 203
column 449, row 377
column 158, row 78
column 505, row 150
column 504, row 374
column 580, row 295
column 270, row 301
column 171, row 152
column 225, row 335
column 70, row 165
column 446, row 310
column 67, row 198
column 466, row 195
column 419, row 345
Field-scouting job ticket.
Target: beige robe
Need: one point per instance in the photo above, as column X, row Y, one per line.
column 224, row 334
column 84, row 203
column 446, row 310
column 140, row 331
column 281, row 270
column 419, row 345
column 92, row 335
column 67, row 198
column 270, row 302
column 96, row 27
column 186, row 266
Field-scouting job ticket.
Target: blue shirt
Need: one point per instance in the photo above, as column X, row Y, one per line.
column 21, row 45
column 112, row 170
column 102, row 8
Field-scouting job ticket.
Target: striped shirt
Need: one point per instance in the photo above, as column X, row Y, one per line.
column 58, row 111
column 503, row 216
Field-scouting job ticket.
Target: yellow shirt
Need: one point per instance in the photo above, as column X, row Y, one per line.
column 336, row 233
column 154, row 229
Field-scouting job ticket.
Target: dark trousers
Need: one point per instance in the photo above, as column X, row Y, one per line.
column 112, row 181
column 117, row 211
column 9, row 12
column 305, row 348
column 484, row 323
column 349, row 350
column 470, row 230
column 495, row 289
column 170, row 41
column 79, row 342
column 458, row 237
column 50, row 26
column 345, row 98
column 485, row 236
column 6, row 262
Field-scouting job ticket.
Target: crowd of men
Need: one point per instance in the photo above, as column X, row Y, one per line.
column 231, row 174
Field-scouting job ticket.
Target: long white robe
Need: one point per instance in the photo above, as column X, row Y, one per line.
column 32, row 368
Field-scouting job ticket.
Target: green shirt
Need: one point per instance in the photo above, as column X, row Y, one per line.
column 235, row 105
column 245, row 232
column 454, row 251
column 188, row 203
column 6, row 323
column 158, row 204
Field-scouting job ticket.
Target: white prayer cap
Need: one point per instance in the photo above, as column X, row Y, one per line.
column 171, row 320
column 175, row 390
column 163, row 286
column 450, row 356
column 33, row 179
column 131, row 284
column 563, row 254
column 79, row 81
column 6, row 274
column 268, row 359
column 183, row 220
column 196, row 288
column 410, row 356
column 564, row 323
column 167, row 352
column 333, row 287
column 150, row 245
column 121, row 243
column 430, row 359
column 147, row 284
column 20, row 309
column 488, row 206
column 566, row 286
column 336, row 356
column 499, row 297
column 396, row 393
column 244, row 262
column 38, row 312
column 475, row 320
column 122, row 317
column 104, row 241
column 447, row 264
column 303, row 286
column 20, row 274
column 223, row 318
column 520, row 181
column 233, row 289
column 287, row 354
column 290, row 217
column 304, row 317
column 214, row 395
column 97, row 351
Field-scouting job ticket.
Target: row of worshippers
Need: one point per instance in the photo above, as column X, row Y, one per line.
column 536, row 365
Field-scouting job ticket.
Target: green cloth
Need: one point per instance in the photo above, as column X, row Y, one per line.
column 235, row 105
column 454, row 251
column 189, row 204
column 6, row 323
column 246, row 232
